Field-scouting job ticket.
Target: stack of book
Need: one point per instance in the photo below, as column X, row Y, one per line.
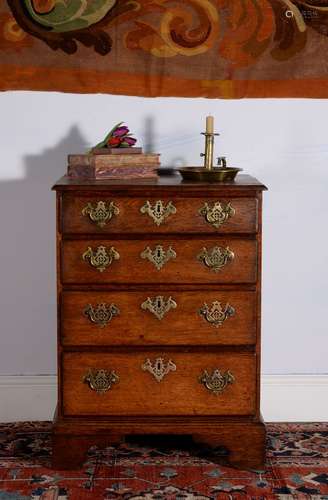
column 116, row 163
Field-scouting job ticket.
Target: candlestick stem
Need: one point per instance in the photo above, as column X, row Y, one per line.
column 209, row 151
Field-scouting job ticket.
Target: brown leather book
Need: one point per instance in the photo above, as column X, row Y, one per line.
column 117, row 151
column 114, row 160
column 125, row 172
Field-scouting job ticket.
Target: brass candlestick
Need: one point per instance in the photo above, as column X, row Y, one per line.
column 209, row 149
column 210, row 173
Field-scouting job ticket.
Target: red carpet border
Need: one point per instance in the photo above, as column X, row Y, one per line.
column 167, row 469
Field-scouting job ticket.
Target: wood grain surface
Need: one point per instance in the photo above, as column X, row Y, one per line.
column 139, row 393
column 243, row 184
column 183, row 325
column 138, row 403
column 186, row 219
column 185, row 268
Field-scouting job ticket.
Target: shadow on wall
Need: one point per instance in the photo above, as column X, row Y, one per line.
column 149, row 135
column 152, row 145
column 27, row 261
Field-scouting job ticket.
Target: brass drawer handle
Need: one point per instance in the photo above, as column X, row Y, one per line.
column 216, row 382
column 100, row 381
column 217, row 214
column 159, row 368
column 101, row 213
column 215, row 314
column 159, row 257
column 101, row 258
column 158, row 212
column 216, row 258
column 102, row 314
column 159, row 305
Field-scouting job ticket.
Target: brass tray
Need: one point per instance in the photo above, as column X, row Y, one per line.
column 216, row 174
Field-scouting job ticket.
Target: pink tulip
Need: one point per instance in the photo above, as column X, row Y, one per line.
column 130, row 141
column 120, row 131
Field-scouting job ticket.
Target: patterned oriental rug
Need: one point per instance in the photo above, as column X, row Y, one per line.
column 297, row 467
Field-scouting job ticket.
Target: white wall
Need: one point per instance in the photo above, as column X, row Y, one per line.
column 282, row 142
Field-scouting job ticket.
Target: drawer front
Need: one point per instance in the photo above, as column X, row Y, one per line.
column 159, row 261
column 165, row 383
column 104, row 214
column 159, row 318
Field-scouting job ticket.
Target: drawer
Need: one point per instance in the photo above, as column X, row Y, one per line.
column 105, row 214
column 159, row 383
column 159, row 261
column 158, row 318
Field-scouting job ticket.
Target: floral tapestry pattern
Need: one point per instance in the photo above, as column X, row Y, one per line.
column 190, row 48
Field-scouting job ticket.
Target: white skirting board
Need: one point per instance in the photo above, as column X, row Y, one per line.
column 285, row 398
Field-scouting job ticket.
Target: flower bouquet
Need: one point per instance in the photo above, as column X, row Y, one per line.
column 115, row 157
column 119, row 137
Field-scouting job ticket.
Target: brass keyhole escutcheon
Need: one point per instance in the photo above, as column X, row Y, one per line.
column 159, row 368
column 159, row 257
column 159, row 306
column 158, row 212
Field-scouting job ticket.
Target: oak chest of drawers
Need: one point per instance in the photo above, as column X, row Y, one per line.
column 159, row 315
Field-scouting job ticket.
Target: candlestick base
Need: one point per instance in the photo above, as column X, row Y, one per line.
column 216, row 174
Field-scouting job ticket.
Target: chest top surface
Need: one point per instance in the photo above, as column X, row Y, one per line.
column 173, row 183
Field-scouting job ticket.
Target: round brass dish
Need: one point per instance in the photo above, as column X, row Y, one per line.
column 216, row 174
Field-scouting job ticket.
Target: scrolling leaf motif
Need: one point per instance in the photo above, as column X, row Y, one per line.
column 245, row 30
column 216, row 258
column 101, row 381
column 159, row 368
column 158, row 212
column 62, row 24
column 101, row 213
column 101, row 258
column 102, row 314
column 217, row 214
column 159, row 257
column 159, row 306
column 216, row 314
column 216, row 382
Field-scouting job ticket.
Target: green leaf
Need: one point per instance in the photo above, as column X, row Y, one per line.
column 110, row 133
column 103, row 143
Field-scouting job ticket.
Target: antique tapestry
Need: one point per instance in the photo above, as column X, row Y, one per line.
column 188, row 48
